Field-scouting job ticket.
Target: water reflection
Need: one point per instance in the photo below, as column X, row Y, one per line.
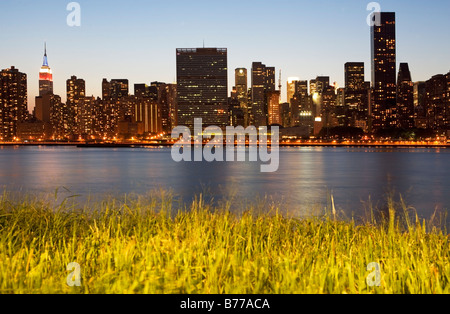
column 306, row 177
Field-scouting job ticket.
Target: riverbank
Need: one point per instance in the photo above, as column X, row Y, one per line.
column 139, row 247
column 283, row 144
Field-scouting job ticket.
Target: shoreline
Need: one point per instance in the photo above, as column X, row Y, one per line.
column 281, row 145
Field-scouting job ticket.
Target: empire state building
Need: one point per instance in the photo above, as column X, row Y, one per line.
column 45, row 77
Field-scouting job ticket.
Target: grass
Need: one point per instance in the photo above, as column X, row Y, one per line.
column 140, row 247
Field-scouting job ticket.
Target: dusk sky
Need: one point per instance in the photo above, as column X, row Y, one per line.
column 136, row 39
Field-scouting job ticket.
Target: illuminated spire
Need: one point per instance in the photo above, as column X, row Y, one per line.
column 45, row 76
column 45, row 55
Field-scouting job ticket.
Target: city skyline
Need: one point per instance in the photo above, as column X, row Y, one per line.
column 121, row 54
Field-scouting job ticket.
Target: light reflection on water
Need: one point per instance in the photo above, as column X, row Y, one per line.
column 306, row 177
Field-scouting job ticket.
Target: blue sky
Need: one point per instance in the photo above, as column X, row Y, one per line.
column 136, row 39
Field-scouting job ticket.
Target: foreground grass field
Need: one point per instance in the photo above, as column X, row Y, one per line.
column 139, row 247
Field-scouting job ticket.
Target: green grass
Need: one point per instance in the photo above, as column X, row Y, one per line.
column 139, row 247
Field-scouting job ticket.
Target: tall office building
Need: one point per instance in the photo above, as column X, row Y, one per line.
column 13, row 101
column 300, row 103
column 354, row 76
column 263, row 81
column 384, row 72
column 76, row 93
column 58, row 117
column 420, row 116
column 318, row 85
column 291, row 86
column 241, row 84
column 405, row 98
column 274, row 109
column 259, row 114
column 202, row 86
column 270, row 79
column 167, row 100
column 355, row 95
column 45, row 77
column 328, row 106
column 76, row 89
column 437, row 102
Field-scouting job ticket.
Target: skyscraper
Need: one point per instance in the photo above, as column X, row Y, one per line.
column 354, row 76
column 420, row 116
column 300, row 103
column 263, row 81
column 45, row 77
column 13, row 101
column 384, row 71
column 167, row 100
column 76, row 93
column 58, row 117
column 405, row 98
column 437, row 102
column 241, row 83
column 355, row 95
column 274, row 109
column 202, row 86
column 259, row 114
column 291, row 86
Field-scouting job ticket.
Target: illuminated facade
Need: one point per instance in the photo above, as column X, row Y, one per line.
column 384, row 72
column 437, row 102
column 115, row 89
column 167, row 100
column 241, row 82
column 148, row 113
column 45, row 77
column 291, row 87
column 241, row 89
column 300, row 103
column 263, row 81
column 76, row 93
column 356, row 106
column 202, row 86
column 13, row 101
column 273, row 100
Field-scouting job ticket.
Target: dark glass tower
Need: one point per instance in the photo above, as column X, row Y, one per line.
column 384, row 72
column 202, row 86
column 405, row 98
